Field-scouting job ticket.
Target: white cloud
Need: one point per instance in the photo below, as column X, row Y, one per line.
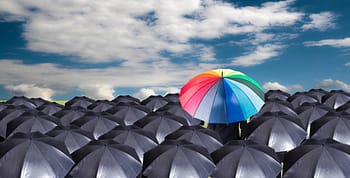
column 260, row 55
column 278, row 86
column 338, row 43
column 98, row 91
column 146, row 92
column 139, row 30
column 321, row 21
column 347, row 64
column 207, row 54
column 31, row 90
column 334, row 84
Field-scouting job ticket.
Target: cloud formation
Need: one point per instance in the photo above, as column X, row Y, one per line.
column 277, row 86
column 31, row 90
column 337, row 43
column 320, row 21
column 334, row 84
column 146, row 92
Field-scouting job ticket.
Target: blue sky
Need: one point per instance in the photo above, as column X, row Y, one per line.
column 61, row 49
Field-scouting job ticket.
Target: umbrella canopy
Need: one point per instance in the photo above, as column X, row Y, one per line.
column 139, row 139
column 318, row 159
column 277, row 130
column 73, row 137
column 317, row 93
column 70, row 114
column 154, row 102
column 50, row 108
column 336, row 98
column 299, row 98
column 105, row 158
column 309, row 112
column 161, row 124
column 9, row 114
column 21, row 100
column 197, row 135
column 101, row 105
column 222, row 96
column 244, row 158
column 125, row 99
column 97, row 123
column 177, row 159
column 34, row 155
column 277, row 106
column 129, row 112
column 172, row 97
column 276, row 94
column 176, row 109
column 344, row 108
column 81, row 101
column 38, row 101
column 332, row 125
column 32, row 122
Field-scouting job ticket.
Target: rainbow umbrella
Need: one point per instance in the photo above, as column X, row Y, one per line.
column 222, row 96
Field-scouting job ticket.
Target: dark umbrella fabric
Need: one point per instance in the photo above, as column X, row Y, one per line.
column 176, row 109
column 125, row 99
column 161, row 124
column 21, row 101
column 97, row 123
column 245, row 159
column 175, row 159
column 105, row 158
column 139, row 139
column 277, row 106
column 317, row 93
column 70, row 114
column 34, row 155
column 172, row 97
column 100, row 105
column 344, row 108
column 336, row 98
column 318, row 159
column 38, row 101
column 73, row 137
column 32, row 122
column 129, row 112
column 332, row 125
column 50, row 108
column 81, row 101
column 276, row 94
column 300, row 98
column 197, row 135
column 277, row 130
column 154, row 102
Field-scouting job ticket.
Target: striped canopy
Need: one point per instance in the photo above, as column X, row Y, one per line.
column 222, row 96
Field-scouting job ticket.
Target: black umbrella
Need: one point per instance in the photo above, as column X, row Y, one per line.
column 105, row 158
column 34, row 155
column 318, row 158
column 70, row 114
column 38, row 101
column 277, row 106
column 277, row 130
column 276, row 94
column 9, row 114
column 154, row 102
column 207, row 138
column 21, row 100
column 176, row 109
column 161, row 124
column 336, row 98
column 73, row 137
column 175, row 158
column 130, row 112
column 244, row 158
column 317, row 93
column 309, row 112
column 332, row 125
column 344, row 108
column 139, row 139
column 50, row 108
column 172, row 97
column 81, row 101
column 101, row 105
column 32, row 122
column 97, row 123
column 4, row 106
column 299, row 98
column 125, row 99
